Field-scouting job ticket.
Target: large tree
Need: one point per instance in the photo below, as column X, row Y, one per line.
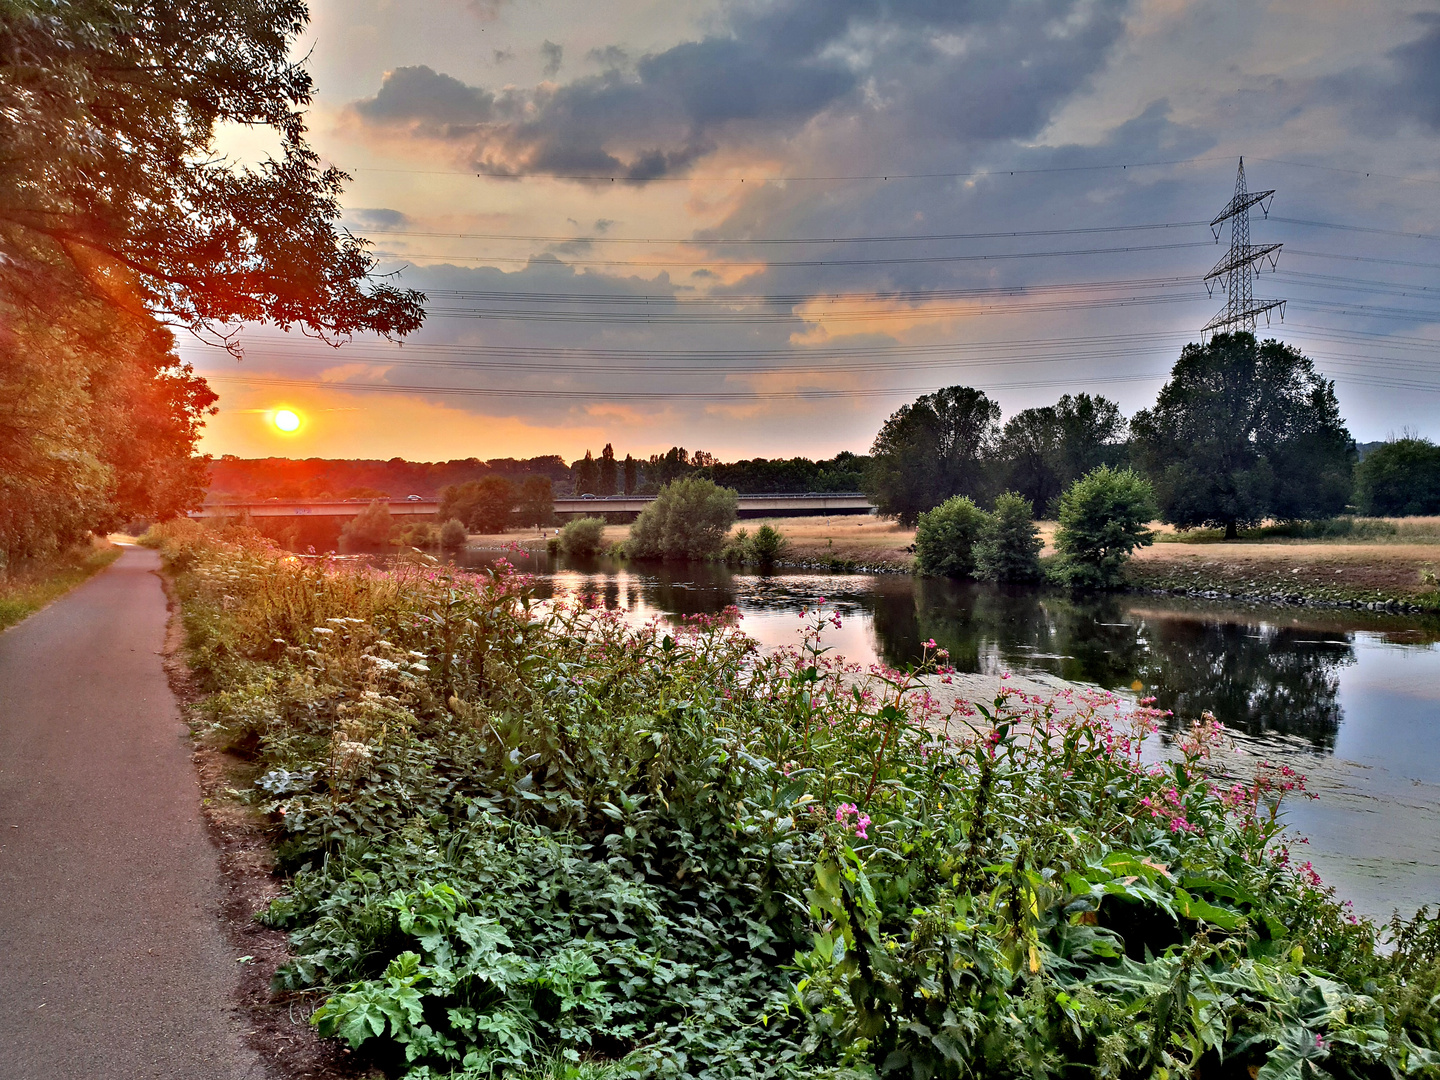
column 930, row 450
column 1043, row 451
column 117, row 217
column 1242, row 432
column 109, row 179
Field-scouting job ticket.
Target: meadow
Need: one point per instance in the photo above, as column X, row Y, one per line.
column 537, row 841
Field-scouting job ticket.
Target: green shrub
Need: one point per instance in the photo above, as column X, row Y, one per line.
column 452, row 535
column 511, row 836
column 1009, row 546
column 582, row 538
column 688, row 519
column 1399, row 479
column 420, row 534
column 1103, row 519
column 372, row 527
column 945, row 537
column 767, row 545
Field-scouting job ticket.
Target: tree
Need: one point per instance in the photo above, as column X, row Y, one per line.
column 1009, row 547
column 632, row 475
column 930, row 450
column 1400, row 478
column 607, row 483
column 109, row 184
column 1243, row 432
column 482, row 505
column 688, row 519
column 372, row 527
column 1092, row 433
column 1029, row 450
column 945, row 537
column 116, row 218
column 1103, row 519
column 537, row 501
column 587, row 475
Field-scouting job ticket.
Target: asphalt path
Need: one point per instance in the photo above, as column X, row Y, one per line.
column 112, row 960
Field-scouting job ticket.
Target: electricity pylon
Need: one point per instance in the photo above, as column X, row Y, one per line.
column 1236, row 271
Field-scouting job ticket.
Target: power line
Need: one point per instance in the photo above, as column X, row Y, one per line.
column 692, row 264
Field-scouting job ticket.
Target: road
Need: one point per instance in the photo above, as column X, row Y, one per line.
column 114, row 964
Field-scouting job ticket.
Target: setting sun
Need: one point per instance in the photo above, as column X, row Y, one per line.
column 287, row 420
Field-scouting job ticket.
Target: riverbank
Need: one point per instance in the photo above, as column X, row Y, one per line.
column 1370, row 574
column 30, row 588
column 653, row 849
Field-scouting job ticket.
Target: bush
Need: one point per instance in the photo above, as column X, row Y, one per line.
column 582, row 538
column 419, row 534
column 1009, row 546
column 512, row 836
column 1103, row 518
column 767, row 545
column 1399, row 479
column 372, row 527
column 453, row 535
column 689, row 519
column 945, row 537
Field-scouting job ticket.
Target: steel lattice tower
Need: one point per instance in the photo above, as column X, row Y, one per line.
column 1236, row 271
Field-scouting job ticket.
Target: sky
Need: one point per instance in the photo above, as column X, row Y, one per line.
column 758, row 228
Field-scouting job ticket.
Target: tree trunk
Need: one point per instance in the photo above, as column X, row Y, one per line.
column 1231, row 532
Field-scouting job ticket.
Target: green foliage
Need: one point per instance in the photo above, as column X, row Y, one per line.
column 452, row 535
column 583, row 538
column 110, row 188
column 419, row 534
column 486, row 505
column 1103, row 519
column 526, row 843
column 945, row 538
column 372, row 527
column 1009, row 545
column 1243, row 432
column 763, row 549
column 688, row 519
column 930, row 450
column 587, row 475
column 1400, row 478
column 537, row 501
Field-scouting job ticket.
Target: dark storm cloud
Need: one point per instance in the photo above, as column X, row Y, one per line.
column 940, row 70
column 554, row 56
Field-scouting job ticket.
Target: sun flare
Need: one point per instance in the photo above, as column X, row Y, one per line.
column 287, row 420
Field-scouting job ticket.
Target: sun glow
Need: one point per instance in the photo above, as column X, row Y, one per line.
column 287, row 420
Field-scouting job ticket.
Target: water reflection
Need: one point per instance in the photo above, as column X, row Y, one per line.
column 1264, row 672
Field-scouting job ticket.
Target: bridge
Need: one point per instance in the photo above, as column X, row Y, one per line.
column 747, row 506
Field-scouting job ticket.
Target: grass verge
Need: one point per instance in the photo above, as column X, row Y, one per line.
column 539, row 842
column 28, row 589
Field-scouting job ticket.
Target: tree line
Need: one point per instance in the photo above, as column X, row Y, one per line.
column 1243, row 432
column 607, row 475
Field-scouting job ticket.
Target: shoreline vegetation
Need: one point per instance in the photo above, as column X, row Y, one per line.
column 26, row 589
column 539, row 842
column 1387, row 562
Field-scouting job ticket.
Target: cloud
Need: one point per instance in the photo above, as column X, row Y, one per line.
column 377, row 219
column 1418, row 85
column 611, row 56
column 919, row 68
column 554, row 56
column 503, row 56
column 437, row 105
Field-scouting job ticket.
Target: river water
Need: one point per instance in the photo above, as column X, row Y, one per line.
column 1351, row 699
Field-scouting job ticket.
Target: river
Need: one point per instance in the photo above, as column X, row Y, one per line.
column 1351, row 699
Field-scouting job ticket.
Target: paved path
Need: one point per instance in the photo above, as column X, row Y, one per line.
column 112, row 961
